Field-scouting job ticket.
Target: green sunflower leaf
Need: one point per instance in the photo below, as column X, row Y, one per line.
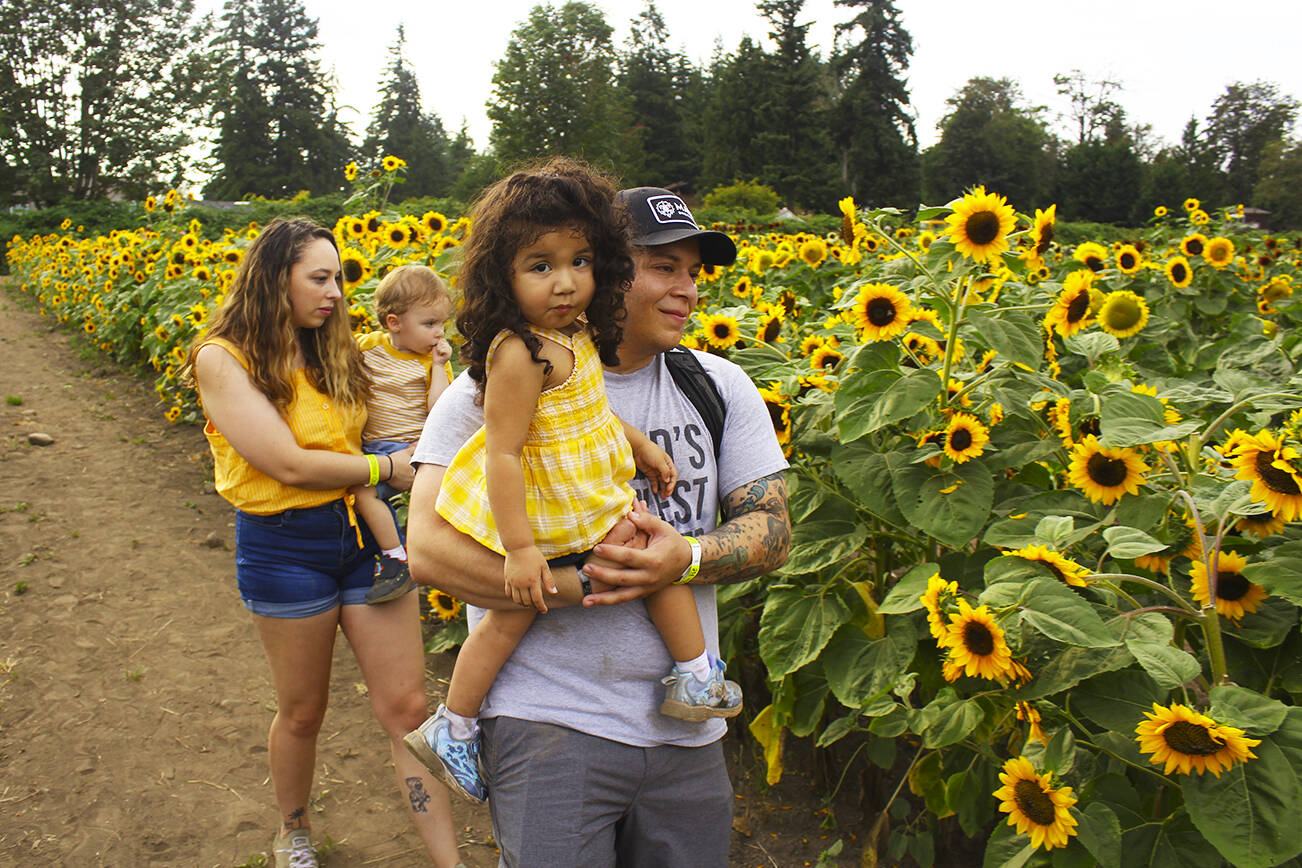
column 859, row 668
column 795, row 627
column 1100, row 832
column 1246, row 709
column 1117, row 700
column 1169, row 667
column 867, row 403
column 867, row 472
column 822, row 541
column 1056, row 611
column 1281, row 576
column 949, row 504
column 1013, row 335
column 946, row 721
column 1173, row 843
column 906, row 595
column 1007, row 849
column 1129, row 419
column 1128, row 543
column 1271, row 624
column 1249, row 813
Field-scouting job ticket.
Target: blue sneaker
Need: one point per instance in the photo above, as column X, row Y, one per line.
column 689, row 699
column 455, row 760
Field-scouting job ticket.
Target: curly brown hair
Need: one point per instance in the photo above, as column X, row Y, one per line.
column 515, row 212
column 256, row 316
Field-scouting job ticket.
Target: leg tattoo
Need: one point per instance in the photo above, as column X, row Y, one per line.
column 416, row 793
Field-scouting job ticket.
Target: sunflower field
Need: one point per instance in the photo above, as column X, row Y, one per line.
column 1046, row 562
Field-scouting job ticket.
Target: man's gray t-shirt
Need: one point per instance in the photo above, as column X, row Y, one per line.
column 598, row 670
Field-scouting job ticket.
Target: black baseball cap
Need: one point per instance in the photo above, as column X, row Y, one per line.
column 657, row 216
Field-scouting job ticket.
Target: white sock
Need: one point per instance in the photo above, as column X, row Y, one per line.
column 699, row 667
column 461, row 728
column 400, row 552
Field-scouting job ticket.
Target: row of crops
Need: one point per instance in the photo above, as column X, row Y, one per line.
column 1046, row 561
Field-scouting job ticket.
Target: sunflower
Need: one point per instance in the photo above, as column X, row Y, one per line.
column 1188, row 741
column 1041, row 234
column 880, row 312
column 150, row 203
column 1071, row 310
column 1031, row 715
column 721, row 332
column 770, row 327
column 779, row 413
column 350, row 171
column 1178, row 272
column 1063, row 567
column 173, row 413
column 811, row 342
column 1260, row 525
column 434, row 222
column 1160, row 211
column 1277, row 289
column 1129, row 259
column 980, row 224
column 392, row 164
column 762, row 260
column 1093, row 256
column 742, row 288
column 1199, row 217
column 813, row 252
column 354, row 267
column 1271, row 465
column 924, row 348
column 938, row 588
column 847, row 208
column 1235, row 595
column 1123, row 314
column 445, row 606
column 1219, row 251
column 965, row 438
column 976, row 645
column 1192, row 204
column 1105, row 474
column 1034, row 806
column 825, row 359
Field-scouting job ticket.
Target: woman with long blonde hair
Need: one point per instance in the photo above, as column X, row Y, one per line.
column 283, row 388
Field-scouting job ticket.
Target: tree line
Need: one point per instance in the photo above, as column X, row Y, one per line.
column 119, row 97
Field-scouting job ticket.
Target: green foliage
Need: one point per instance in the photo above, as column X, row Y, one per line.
column 744, row 197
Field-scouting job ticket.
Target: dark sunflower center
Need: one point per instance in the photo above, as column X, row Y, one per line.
column 1126, row 260
column 1094, row 263
column 776, row 415
column 352, row 271
column 977, row 638
column 961, row 439
column 771, row 329
column 1193, row 247
column 1104, row 471
column 881, row 312
column 722, row 330
column 1034, row 802
column 1179, row 272
column 1190, row 739
column 982, row 227
column 1277, row 480
column 1090, row 426
column 829, row 361
column 1231, row 586
column 1046, row 237
column 1078, row 306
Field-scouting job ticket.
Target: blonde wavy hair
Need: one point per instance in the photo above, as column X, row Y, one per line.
column 257, row 317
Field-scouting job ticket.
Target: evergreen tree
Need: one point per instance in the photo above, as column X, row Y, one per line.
column 1100, row 179
column 733, row 114
column 872, row 123
column 793, row 140
column 96, row 96
column 269, row 72
column 989, row 137
column 662, row 86
column 1279, row 184
column 400, row 127
column 554, row 91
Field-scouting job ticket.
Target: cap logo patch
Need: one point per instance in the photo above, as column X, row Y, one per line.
column 670, row 209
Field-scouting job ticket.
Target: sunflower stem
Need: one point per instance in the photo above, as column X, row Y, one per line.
column 1148, row 583
column 1211, row 620
column 956, row 318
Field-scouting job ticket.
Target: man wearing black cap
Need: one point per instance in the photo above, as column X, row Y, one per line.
column 581, row 767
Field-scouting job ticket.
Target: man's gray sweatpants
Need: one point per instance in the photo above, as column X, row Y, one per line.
column 560, row 797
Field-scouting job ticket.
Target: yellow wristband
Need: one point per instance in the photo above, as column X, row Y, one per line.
column 695, row 566
column 374, row 464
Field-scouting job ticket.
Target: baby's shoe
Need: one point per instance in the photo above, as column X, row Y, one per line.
column 689, row 699
column 392, row 580
column 456, row 760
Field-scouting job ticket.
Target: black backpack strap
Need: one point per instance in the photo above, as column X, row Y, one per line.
column 699, row 388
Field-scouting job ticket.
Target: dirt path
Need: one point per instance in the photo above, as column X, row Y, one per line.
column 134, row 698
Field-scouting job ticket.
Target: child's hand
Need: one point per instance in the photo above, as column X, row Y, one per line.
column 656, row 466
column 527, row 574
column 442, row 352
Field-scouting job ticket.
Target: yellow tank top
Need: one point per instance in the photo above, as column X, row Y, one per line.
column 316, row 421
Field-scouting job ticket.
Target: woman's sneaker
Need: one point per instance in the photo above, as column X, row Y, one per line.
column 456, row 760
column 689, row 699
column 392, row 580
column 294, row 850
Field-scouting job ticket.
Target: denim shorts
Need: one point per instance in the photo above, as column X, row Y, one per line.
column 302, row 562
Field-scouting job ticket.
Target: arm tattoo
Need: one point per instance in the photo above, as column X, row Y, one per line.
column 756, row 534
column 418, row 796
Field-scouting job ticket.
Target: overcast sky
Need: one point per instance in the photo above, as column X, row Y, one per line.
column 1173, row 57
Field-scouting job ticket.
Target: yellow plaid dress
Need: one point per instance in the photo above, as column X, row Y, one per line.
column 576, row 463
